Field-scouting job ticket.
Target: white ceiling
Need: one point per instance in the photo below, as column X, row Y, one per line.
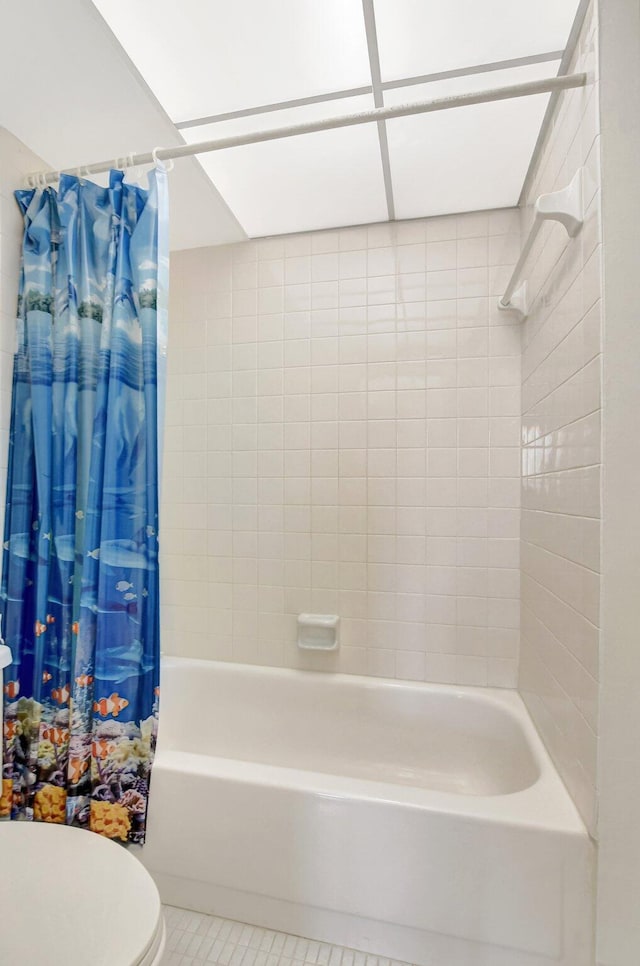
column 208, row 56
column 488, row 146
column 183, row 65
column 428, row 36
column 321, row 180
column 69, row 92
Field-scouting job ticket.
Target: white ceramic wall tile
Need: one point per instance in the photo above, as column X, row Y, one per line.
column 344, row 437
column 561, row 456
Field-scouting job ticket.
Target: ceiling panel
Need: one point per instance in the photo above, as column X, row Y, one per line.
column 467, row 158
column 417, row 37
column 311, row 181
column 203, row 58
column 112, row 114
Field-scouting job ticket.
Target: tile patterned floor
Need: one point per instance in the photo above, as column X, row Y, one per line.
column 194, row 939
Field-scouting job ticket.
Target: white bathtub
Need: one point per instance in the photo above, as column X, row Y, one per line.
column 421, row 822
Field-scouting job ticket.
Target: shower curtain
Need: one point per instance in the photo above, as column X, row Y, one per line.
column 79, row 592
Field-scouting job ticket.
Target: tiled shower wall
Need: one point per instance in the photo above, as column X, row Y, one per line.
column 562, row 451
column 343, row 437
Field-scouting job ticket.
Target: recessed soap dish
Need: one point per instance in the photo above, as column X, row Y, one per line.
column 318, row 632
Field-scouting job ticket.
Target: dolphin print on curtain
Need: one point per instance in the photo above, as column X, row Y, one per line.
column 80, row 583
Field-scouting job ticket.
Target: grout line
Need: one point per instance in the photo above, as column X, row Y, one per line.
column 531, row 442
column 549, row 708
column 565, row 382
column 565, row 603
column 186, row 938
column 564, row 647
column 560, row 556
column 561, row 513
column 557, row 345
column 565, row 469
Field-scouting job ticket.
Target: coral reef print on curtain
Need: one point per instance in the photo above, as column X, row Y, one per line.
column 80, row 560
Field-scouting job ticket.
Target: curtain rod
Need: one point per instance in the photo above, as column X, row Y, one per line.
column 542, row 86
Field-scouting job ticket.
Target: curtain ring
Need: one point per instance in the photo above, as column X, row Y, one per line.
column 167, row 165
column 38, row 179
column 125, row 162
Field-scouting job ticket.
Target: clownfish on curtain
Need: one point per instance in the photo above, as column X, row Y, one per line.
column 80, row 583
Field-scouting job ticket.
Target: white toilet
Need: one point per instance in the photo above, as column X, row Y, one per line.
column 72, row 898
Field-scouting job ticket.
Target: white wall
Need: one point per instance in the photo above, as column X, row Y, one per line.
column 344, row 437
column 562, row 450
column 16, row 161
column 618, row 937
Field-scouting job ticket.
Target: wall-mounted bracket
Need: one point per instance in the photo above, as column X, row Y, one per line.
column 518, row 303
column 565, row 206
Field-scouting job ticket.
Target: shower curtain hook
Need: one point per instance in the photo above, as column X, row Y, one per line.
column 131, row 165
column 124, row 163
column 167, row 165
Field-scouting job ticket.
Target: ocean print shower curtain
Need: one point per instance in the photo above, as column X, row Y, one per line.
column 80, row 587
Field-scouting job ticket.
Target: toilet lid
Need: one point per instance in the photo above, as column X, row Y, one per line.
column 73, row 898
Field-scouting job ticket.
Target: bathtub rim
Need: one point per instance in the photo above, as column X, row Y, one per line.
column 545, row 804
